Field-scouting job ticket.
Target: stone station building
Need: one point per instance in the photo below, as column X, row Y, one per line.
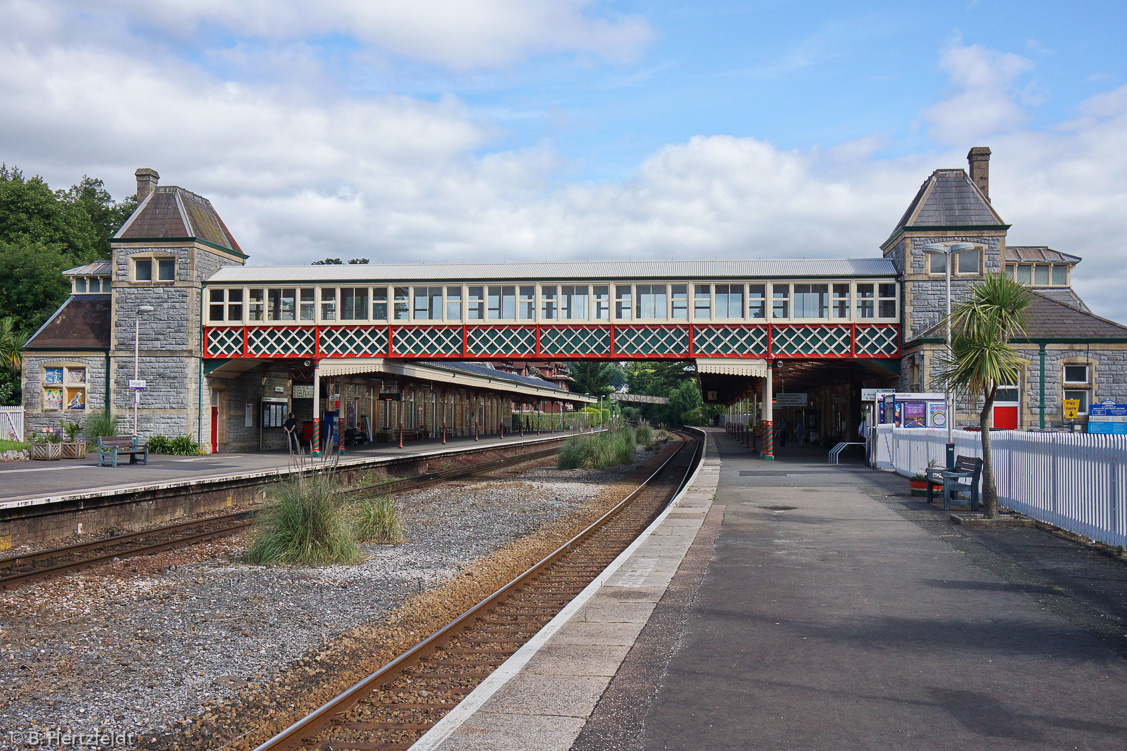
column 226, row 349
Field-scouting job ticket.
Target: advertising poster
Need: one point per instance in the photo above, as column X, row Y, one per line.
column 915, row 415
column 936, row 415
column 1108, row 418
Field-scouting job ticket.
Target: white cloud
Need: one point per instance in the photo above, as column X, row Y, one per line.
column 454, row 33
column 303, row 172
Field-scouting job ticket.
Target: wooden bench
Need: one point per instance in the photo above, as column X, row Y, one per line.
column 409, row 434
column 112, row 447
column 962, row 479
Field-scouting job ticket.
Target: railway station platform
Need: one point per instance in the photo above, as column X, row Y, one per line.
column 802, row 605
column 39, row 483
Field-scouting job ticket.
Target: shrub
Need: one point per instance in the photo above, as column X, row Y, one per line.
column 73, row 430
column 302, row 523
column 644, row 434
column 379, row 521
column 100, row 424
column 181, row 445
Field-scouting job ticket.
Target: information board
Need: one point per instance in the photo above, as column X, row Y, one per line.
column 1107, row 418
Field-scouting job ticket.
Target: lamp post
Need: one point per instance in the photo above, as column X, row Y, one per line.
column 136, row 360
column 948, row 252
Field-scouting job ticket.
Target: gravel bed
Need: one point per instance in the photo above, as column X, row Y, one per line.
column 147, row 645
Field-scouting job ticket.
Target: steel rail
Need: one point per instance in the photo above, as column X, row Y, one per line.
column 314, row 723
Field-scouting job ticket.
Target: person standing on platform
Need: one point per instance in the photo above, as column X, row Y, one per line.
column 291, row 432
column 800, row 434
column 781, row 432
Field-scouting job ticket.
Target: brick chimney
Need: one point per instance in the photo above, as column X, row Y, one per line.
column 147, row 180
column 979, row 159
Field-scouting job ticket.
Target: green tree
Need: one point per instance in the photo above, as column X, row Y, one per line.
column 30, row 212
column 982, row 357
column 592, row 378
column 106, row 215
column 32, row 286
column 11, row 340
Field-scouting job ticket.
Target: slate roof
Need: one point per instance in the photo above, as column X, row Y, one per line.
column 98, row 268
column 170, row 212
column 1017, row 253
column 83, row 322
column 1047, row 318
column 488, row 371
column 1065, row 295
column 949, row 198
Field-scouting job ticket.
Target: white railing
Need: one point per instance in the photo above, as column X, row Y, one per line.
column 11, row 423
column 1075, row 481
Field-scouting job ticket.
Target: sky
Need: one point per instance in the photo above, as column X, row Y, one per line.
column 517, row 130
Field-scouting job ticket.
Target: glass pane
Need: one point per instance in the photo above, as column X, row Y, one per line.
column 601, row 297
column 421, row 311
column 938, row 263
column 811, row 300
column 865, row 307
column 780, row 301
column 143, row 269
column 680, row 300
column 1081, row 396
column 509, row 303
column 887, row 308
column 308, row 306
column 887, row 290
column 1075, row 373
column 757, row 301
column 434, row 295
column 235, row 312
column 289, row 304
column 216, row 312
column 475, row 304
column 166, row 270
column 274, row 304
column 548, row 304
column 702, row 302
column 234, row 295
column 967, row 262
column 1040, row 274
column 216, row 295
column 622, row 306
column 453, row 303
column 1024, row 274
column 493, row 310
column 256, row 296
column 1060, row 275
column 400, row 304
column 80, row 285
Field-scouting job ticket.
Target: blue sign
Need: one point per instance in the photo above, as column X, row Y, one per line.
column 1108, row 418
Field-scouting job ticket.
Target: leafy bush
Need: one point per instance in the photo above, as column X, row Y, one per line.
column 302, row 523
column 100, row 424
column 181, row 445
column 644, row 434
column 379, row 521
column 72, row 429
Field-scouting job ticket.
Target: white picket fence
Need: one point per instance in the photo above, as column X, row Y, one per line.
column 1075, row 481
column 11, row 423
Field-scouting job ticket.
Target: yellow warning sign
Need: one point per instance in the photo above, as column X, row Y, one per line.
column 1071, row 408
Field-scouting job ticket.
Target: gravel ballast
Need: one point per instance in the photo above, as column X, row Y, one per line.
column 194, row 648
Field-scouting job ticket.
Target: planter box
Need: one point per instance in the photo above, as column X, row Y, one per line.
column 919, row 488
column 75, row 450
column 46, row 451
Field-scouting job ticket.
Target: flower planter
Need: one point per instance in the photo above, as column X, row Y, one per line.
column 74, row 450
column 46, row 451
column 919, row 488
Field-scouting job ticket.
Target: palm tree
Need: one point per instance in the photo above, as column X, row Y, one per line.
column 982, row 358
column 10, row 344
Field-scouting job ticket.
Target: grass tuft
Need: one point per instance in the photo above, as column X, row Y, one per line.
column 379, row 521
column 599, row 451
column 302, row 523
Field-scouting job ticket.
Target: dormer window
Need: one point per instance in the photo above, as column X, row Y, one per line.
column 89, row 285
column 1039, row 274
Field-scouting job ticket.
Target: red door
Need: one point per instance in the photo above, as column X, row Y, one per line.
column 215, row 430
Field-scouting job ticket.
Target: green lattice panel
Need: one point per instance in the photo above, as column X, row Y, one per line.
column 883, row 341
column 657, row 341
column 731, row 341
column 357, row 341
column 517, row 341
column 814, row 341
column 280, row 342
column 224, row 342
column 430, row 341
column 574, row 341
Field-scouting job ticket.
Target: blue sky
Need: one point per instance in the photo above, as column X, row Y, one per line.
column 525, row 129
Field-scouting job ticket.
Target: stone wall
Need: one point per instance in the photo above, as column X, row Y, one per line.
column 33, row 365
column 925, row 295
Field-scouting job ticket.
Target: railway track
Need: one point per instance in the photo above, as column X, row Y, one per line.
column 24, row 569
column 397, row 704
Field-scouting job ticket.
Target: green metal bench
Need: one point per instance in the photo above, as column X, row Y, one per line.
column 962, row 479
column 112, row 447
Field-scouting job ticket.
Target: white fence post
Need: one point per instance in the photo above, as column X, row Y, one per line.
column 11, row 423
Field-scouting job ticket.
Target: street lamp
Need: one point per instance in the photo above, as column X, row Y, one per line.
column 136, row 360
column 948, row 252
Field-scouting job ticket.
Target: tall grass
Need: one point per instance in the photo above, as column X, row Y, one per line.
column 379, row 521
column 303, row 523
column 644, row 434
column 599, row 451
column 100, row 424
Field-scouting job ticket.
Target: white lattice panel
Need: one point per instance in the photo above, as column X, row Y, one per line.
column 651, row 341
column 288, row 342
column 519, row 342
column 877, row 341
column 730, row 340
column 427, row 340
column 354, row 341
column 574, row 341
column 225, row 341
column 813, row 340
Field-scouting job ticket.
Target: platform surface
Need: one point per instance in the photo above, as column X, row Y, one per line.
column 802, row 605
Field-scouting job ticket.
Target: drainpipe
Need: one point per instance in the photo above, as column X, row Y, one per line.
column 1042, row 353
column 106, row 390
